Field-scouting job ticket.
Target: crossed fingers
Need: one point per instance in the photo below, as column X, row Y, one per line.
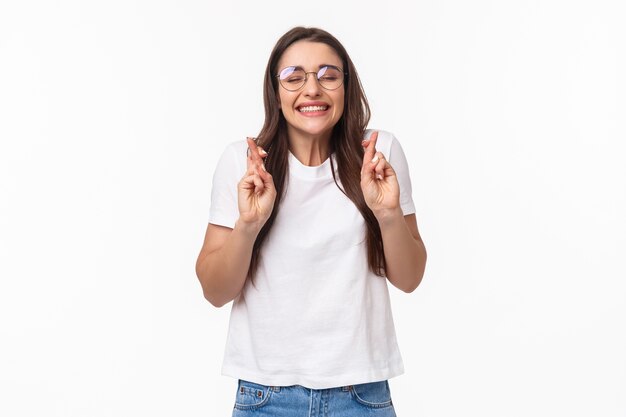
column 256, row 172
column 373, row 161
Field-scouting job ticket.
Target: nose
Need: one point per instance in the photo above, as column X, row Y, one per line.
column 312, row 85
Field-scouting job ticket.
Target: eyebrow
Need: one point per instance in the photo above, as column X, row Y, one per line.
column 299, row 67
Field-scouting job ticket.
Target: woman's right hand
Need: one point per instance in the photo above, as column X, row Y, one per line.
column 256, row 191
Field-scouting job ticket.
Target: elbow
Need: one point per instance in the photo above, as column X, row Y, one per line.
column 413, row 286
column 422, row 269
column 418, row 278
column 407, row 285
column 211, row 295
column 214, row 300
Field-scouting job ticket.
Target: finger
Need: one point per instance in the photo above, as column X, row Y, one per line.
column 249, row 161
column 247, row 182
column 268, row 181
column 252, row 183
column 258, row 184
column 377, row 165
column 389, row 171
column 378, row 156
column 370, row 149
column 254, row 160
column 262, row 172
column 258, row 157
column 251, row 144
column 365, row 142
column 259, row 150
column 380, row 168
column 253, row 150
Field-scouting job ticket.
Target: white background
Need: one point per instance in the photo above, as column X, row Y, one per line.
column 511, row 113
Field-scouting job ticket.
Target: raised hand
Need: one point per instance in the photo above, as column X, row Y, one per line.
column 378, row 180
column 256, row 191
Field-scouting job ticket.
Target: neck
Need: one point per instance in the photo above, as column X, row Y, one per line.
column 310, row 150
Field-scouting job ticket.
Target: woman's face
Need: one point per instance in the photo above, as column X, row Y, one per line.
column 302, row 118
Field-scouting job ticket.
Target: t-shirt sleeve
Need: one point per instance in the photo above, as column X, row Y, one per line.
column 398, row 161
column 224, row 210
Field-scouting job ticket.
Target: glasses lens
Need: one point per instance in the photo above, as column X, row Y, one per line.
column 330, row 77
column 292, row 78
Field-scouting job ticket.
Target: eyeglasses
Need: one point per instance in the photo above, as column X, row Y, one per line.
column 330, row 77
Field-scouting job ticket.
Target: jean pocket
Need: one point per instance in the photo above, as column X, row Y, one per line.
column 251, row 395
column 372, row 394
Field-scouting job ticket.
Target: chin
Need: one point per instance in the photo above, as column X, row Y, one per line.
column 317, row 131
column 316, row 127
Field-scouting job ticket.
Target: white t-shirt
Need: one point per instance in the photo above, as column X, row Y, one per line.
column 316, row 315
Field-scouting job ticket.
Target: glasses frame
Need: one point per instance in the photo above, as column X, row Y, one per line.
column 306, row 77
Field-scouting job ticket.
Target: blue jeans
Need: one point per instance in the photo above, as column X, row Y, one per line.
column 256, row 400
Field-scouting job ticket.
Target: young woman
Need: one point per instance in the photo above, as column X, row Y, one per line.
column 307, row 224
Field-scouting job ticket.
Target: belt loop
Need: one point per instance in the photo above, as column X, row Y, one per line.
column 276, row 389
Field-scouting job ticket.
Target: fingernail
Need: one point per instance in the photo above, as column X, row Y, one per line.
column 263, row 152
column 379, row 177
column 375, row 159
column 364, row 141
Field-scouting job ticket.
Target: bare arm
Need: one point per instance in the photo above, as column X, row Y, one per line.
column 222, row 265
column 223, row 262
column 405, row 254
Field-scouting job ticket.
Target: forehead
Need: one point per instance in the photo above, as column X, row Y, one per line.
column 309, row 55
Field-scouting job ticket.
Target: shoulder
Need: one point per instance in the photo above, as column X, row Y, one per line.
column 233, row 158
column 235, row 152
column 236, row 148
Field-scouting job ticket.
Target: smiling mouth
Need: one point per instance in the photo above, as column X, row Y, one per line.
column 309, row 109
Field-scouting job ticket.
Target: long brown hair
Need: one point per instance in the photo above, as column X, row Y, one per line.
column 345, row 142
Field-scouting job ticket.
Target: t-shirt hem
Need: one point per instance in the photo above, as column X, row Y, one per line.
column 222, row 221
column 317, row 382
column 408, row 208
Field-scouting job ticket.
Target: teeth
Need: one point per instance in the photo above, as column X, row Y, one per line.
column 312, row 108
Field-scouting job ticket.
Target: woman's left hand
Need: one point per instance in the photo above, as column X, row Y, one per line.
column 378, row 180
